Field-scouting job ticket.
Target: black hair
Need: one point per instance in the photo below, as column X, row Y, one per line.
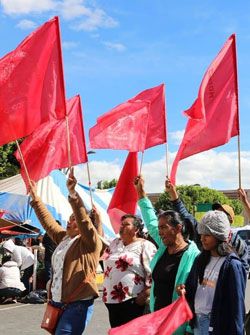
column 223, row 249
column 137, row 222
column 6, row 258
column 174, row 219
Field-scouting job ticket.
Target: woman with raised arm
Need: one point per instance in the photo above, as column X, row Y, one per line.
column 175, row 256
column 74, row 261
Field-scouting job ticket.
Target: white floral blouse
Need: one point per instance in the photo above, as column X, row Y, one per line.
column 126, row 270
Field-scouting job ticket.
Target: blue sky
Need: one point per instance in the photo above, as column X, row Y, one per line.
column 114, row 49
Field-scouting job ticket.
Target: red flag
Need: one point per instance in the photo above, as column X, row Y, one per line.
column 124, row 199
column 32, row 84
column 214, row 115
column 162, row 322
column 134, row 125
column 46, row 148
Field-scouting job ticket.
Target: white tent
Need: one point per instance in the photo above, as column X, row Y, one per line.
column 54, row 193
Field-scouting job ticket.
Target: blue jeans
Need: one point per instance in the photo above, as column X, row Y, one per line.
column 202, row 324
column 75, row 317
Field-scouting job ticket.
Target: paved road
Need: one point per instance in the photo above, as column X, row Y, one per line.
column 25, row 319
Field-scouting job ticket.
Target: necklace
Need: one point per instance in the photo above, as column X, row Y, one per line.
column 206, row 280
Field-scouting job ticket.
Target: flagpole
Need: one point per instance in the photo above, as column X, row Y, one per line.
column 237, row 102
column 68, row 141
column 90, row 186
column 64, row 94
column 166, row 129
column 142, row 156
column 167, row 160
column 24, row 165
column 239, row 160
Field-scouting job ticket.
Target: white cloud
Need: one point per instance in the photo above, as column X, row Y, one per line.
column 88, row 18
column 99, row 170
column 16, row 7
column 115, row 46
column 213, row 169
column 177, row 136
column 71, row 9
column 26, row 24
column 69, row 45
column 95, row 18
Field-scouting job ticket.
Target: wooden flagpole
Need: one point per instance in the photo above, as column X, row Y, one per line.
column 68, row 141
column 90, row 185
column 24, row 165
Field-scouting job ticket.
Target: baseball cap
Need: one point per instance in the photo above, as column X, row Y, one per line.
column 225, row 208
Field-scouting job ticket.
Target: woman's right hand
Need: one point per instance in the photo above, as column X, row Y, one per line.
column 139, row 185
column 71, row 182
column 180, row 289
column 171, row 190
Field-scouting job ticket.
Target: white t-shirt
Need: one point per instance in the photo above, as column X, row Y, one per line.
column 205, row 292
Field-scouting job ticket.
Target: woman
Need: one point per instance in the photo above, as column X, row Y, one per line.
column 175, row 256
column 74, row 261
column 11, row 286
column 127, row 276
column 215, row 287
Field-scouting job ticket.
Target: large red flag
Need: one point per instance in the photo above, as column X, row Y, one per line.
column 124, row 199
column 162, row 322
column 134, row 125
column 32, row 83
column 214, row 115
column 46, row 148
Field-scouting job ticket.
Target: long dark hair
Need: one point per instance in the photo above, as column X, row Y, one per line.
column 174, row 219
column 138, row 224
column 223, row 249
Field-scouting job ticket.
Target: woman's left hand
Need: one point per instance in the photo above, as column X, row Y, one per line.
column 142, row 297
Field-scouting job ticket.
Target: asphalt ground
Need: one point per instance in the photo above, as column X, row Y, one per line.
column 25, row 319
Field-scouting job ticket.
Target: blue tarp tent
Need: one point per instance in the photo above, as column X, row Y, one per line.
column 54, row 193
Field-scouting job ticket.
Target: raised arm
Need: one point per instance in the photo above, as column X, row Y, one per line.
column 147, row 210
column 86, row 228
column 177, row 204
column 243, row 198
column 55, row 232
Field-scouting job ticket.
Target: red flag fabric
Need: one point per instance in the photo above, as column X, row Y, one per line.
column 32, row 84
column 214, row 115
column 162, row 322
column 46, row 148
column 134, row 125
column 124, row 199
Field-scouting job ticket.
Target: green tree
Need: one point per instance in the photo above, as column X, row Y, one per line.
column 9, row 166
column 194, row 194
column 106, row 184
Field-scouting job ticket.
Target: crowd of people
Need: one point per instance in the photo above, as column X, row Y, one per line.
column 142, row 273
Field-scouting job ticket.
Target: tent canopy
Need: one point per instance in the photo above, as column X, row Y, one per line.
column 16, row 207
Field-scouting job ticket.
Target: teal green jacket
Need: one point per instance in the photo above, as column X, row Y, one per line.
column 151, row 221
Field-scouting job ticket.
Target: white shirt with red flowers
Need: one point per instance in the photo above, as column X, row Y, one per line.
column 126, row 270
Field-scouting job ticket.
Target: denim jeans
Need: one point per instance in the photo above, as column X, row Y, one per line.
column 75, row 317
column 202, row 324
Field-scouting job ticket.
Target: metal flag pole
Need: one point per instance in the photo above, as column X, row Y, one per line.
column 142, row 156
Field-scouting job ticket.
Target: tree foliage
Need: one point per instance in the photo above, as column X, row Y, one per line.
column 9, row 166
column 106, row 184
column 194, row 195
